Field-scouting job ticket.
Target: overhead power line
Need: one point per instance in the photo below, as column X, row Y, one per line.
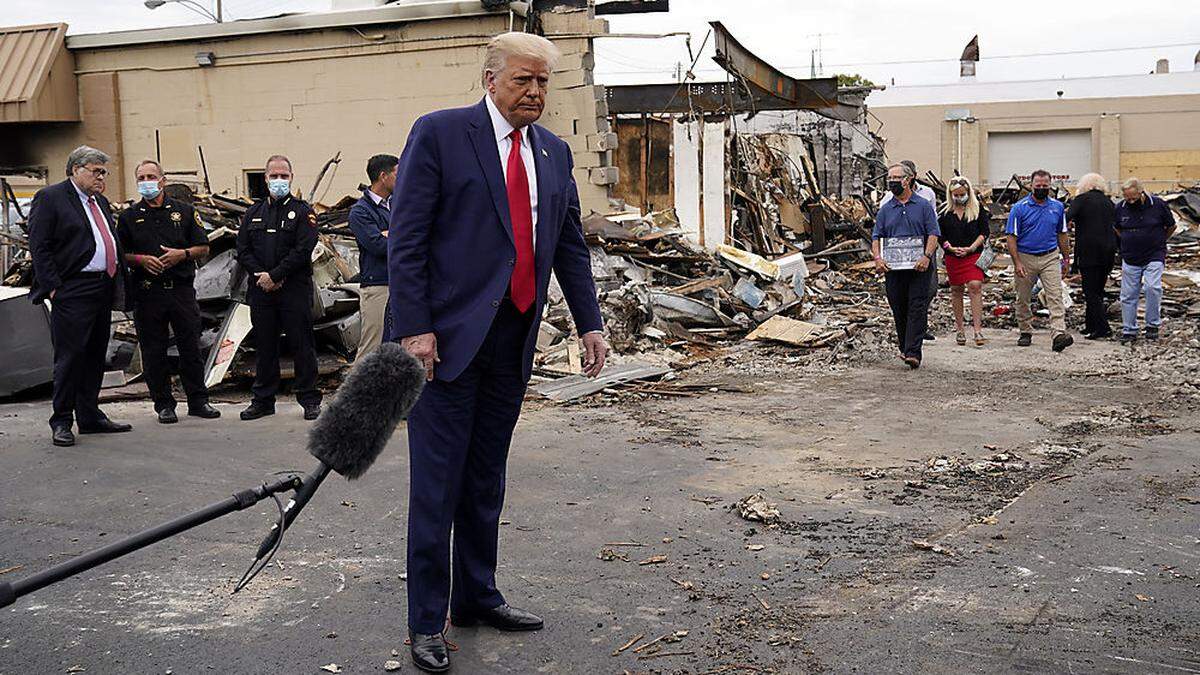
column 951, row 59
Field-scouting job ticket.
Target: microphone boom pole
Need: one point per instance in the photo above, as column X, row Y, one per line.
column 10, row 592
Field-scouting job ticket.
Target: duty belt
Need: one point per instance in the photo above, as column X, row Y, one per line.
column 166, row 284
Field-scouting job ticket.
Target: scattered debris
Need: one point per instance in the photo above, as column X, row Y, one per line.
column 391, row 665
column 654, row 560
column 922, row 545
column 331, row 668
column 756, row 508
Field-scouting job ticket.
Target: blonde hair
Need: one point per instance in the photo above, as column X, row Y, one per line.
column 1091, row 181
column 528, row 45
column 971, row 210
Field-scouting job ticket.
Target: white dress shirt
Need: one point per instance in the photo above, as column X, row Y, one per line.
column 99, row 261
column 504, row 145
column 377, row 200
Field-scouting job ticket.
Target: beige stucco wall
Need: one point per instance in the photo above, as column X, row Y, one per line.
column 1158, row 135
column 310, row 95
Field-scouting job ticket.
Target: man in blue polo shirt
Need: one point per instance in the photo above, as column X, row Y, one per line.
column 903, row 243
column 1038, row 244
column 1143, row 223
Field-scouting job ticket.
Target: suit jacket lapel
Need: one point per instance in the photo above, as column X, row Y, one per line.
column 546, row 186
column 73, row 197
column 483, row 138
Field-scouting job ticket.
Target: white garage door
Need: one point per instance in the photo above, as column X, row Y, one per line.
column 1066, row 154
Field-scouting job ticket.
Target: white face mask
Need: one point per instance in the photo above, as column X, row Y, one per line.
column 962, row 200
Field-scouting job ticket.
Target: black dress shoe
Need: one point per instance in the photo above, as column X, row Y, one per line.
column 203, row 410
column 429, row 652
column 1025, row 340
column 62, row 436
column 312, row 411
column 1061, row 342
column 504, row 617
column 167, row 416
column 106, row 426
column 256, row 410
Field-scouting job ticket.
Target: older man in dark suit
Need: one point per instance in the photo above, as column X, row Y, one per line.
column 77, row 265
column 484, row 209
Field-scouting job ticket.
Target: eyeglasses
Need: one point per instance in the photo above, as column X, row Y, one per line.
column 98, row 172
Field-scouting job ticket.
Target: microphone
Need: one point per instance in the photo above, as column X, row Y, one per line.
column 355, row 426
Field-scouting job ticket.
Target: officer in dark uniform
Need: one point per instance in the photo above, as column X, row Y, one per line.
column 275, row 245
column 162, row 239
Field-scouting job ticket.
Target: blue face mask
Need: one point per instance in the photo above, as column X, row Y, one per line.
column 279, row 188
column 148, row 189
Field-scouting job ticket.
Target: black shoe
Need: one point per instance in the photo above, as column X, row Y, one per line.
column 107, row 426
column 62, row 436
column 1099, row 336
column 1025, row 340
column 203, row 410
column 167, row 416
column 1061, row 342
column 1128, row 338
column 1151, row 332
column 312, row 411
column 429, row 652
column 912, row 362
column 257, row 410
column 504, row 617
column 929, row 337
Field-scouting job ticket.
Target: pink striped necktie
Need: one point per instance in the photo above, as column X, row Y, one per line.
column 110, row 250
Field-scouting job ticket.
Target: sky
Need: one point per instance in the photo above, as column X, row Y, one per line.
column 891, row 43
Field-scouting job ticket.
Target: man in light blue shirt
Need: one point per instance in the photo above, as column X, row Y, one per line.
column 903, row 242
column 1038, row 245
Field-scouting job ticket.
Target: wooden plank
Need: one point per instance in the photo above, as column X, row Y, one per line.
column 576, row 386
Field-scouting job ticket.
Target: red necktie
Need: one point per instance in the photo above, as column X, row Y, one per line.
column 110, row 251
column 523, row 287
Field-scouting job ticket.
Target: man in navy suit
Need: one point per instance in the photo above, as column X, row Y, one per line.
column 77, row 265
column 484, row 209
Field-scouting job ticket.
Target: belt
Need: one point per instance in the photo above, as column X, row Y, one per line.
column 165, row 284
column 1046, row 252
column 92, row 275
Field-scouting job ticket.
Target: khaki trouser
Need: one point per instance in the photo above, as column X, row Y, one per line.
column 372, row 307
column 1048, row 268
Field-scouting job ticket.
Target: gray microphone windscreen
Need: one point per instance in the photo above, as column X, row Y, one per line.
column 356, row 425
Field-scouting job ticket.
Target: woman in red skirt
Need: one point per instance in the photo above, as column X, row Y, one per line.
column 964, row 228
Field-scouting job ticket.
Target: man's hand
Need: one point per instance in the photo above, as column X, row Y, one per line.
column 595, row 351
column 151, row 264
column 263, row 280
column 1066, row 266
column 172, row 256
column 424, row 348
column 880, row 265
column 922, row 263
column 1019, row 269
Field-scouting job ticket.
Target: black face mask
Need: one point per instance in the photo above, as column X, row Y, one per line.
column 896, row 187
column 1041, row 193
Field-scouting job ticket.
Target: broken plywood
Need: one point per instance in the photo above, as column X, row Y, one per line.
column 577, row 386
column 790, row 331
